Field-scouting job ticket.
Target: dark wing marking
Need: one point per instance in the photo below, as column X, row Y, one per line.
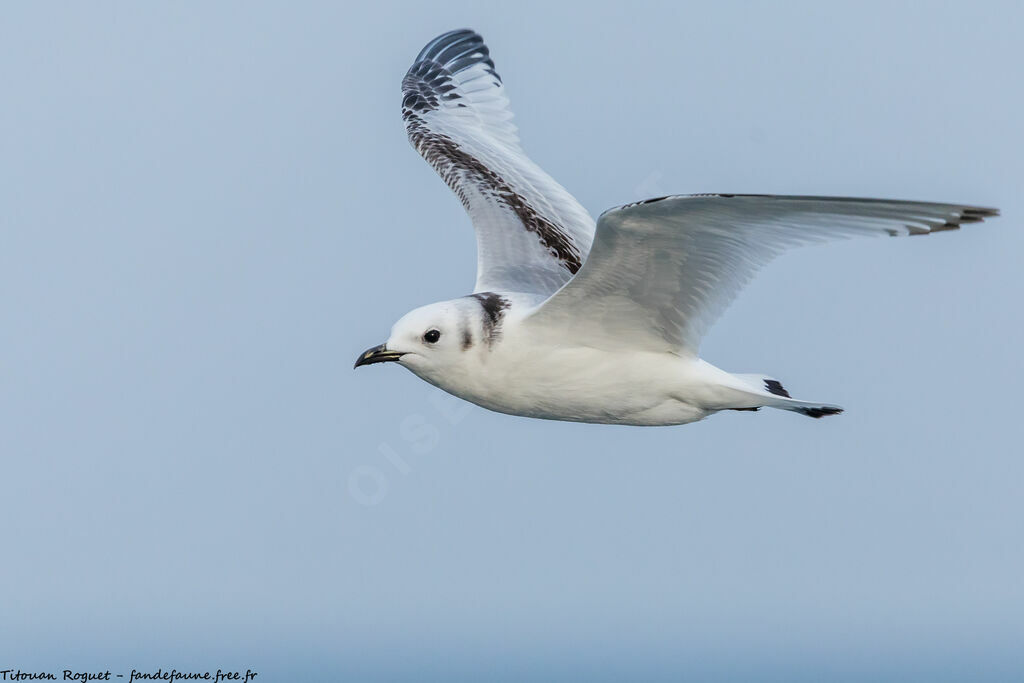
column 463, row 172
column 532, row 235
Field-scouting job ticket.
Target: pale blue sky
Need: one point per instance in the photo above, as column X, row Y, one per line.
column 208, row 210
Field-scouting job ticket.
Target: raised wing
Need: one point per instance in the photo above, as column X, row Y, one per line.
column 532, row 236
column 661, row 271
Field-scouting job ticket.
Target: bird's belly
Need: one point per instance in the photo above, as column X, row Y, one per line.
column 588, row 385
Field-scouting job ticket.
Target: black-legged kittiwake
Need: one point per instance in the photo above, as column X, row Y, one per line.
column 597, row 323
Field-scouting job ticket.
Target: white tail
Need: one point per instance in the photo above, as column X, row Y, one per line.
column 769, row 392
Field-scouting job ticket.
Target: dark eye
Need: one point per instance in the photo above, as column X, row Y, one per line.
column 431, row 336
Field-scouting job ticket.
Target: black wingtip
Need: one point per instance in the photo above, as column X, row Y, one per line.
column 972, row 214
column 963, row 216
column 976, row 214
column 447, row 45
column 428, row 82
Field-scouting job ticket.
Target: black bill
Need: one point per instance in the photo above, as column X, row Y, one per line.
column 378, row 354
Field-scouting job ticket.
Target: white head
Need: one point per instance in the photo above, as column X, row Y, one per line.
column 443, row 341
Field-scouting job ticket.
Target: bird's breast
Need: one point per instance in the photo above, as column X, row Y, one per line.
column 581, row 384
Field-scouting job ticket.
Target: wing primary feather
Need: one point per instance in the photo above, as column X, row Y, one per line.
column 532, row 236
column 662, row 270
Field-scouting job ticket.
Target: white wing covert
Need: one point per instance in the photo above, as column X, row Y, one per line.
column 661, row 271
column 532, row 235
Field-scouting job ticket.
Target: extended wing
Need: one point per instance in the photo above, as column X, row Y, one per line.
column 660, row 272
column 532, row 236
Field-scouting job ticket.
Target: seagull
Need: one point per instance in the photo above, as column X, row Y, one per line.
column 599, row 323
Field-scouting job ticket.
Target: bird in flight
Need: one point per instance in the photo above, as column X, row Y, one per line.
column 597, row 323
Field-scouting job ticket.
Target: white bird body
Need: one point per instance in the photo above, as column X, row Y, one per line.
column 509, row 368
column 524, row 376
column 581, row 384
column 598, row 323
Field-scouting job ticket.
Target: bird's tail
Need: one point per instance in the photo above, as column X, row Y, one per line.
column 768, row 392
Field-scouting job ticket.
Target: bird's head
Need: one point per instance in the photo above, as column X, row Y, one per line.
column 437, row 342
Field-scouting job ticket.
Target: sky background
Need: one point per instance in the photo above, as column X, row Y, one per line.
column 207, row 210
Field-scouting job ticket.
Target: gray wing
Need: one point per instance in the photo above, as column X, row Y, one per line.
column 532, row 236
column 660, row 272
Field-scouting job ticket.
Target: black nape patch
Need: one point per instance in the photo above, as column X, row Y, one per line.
column 775, row 387
column 494, row 306
column 819, row 412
